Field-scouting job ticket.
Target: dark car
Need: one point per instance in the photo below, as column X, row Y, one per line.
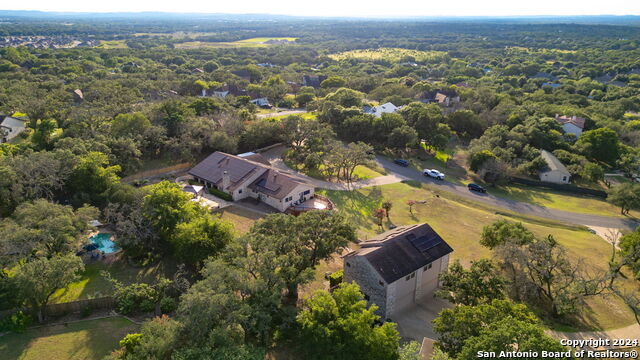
column 401, row 162
column 476, row 187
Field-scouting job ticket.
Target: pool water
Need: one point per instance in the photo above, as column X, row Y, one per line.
column 104, row 243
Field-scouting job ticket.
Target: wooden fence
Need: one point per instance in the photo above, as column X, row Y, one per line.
column 55, row 310
column 157, row 172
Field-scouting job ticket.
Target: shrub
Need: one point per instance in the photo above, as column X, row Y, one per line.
column 336, row 278
column 135, row 297
column 167, row 305
column 221, row 194
column 86, row 311
column 16, row 322
column 130, row 342
column 147, row 305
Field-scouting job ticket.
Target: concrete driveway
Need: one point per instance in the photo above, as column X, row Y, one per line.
column 415, row 322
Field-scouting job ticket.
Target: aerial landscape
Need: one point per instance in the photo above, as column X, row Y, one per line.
column 322, row 184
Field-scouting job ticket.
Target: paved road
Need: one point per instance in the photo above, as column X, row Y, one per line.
column 397, row 173
column 519, row 207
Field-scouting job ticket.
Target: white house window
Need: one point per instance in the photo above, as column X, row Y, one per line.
column 413, row 274
column 240, row 191
column 381, row 283
column 348, row 265
column 427, row 267
column 407, row 277
column 564, row 178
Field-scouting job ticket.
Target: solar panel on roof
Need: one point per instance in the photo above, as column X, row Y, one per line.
column 424, row 243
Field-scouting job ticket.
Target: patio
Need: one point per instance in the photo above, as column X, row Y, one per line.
column 318, row 202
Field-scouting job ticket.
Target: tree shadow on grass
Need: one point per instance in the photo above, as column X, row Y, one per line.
column 357, row 206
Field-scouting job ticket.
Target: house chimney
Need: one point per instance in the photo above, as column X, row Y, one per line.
column 226, row 181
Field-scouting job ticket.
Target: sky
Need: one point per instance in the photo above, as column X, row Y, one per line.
column 357, row 8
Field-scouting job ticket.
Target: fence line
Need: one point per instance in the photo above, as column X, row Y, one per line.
column 156, row 172
column 562, row 187
column 54, row 310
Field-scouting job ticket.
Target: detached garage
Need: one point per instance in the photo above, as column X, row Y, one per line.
column 554, row 172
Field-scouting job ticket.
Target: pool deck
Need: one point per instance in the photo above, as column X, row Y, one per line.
column 104, row 257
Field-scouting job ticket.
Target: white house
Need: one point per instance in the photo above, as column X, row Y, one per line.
column 554, row 172
column 571, row 124
column 220, row 94
column 11, row 127
column 262, row 102
column 398, row 268
column 377, row 111
column 252, row 176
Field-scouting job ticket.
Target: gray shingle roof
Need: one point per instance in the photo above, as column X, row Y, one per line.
column 270, row 181
column 403, row 250
column 553, row 164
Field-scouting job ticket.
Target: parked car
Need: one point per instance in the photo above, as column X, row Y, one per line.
column 476, row 187
column 433, row 173
column 401, row 162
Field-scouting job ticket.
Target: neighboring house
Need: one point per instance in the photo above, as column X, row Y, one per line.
column 571, row 124
column 377, row 111
column 445, row 98
column 554, row 172
column 10, row 127
column 220, row 94
column 262, row 102
column 313, row 80
column 78, row 96
column 399, row 267
column 251, row 176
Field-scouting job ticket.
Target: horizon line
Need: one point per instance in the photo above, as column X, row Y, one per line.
column 512, row 16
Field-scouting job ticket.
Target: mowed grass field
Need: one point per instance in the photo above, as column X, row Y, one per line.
column 241, row 218
column 388, row 54
column 252, row 42
column 460, row 223
column 90, row 339
column 92, row 284
column 558, row 200
column 113, row 44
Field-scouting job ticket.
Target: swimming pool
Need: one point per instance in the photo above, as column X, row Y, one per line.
column 104, row 243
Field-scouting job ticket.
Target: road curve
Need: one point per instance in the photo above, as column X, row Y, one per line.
column 397, row 173
column 515, row 206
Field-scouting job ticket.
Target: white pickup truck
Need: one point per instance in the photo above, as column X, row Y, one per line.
column 433, row 173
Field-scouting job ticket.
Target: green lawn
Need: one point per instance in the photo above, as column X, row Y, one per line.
column 253, row 42
column 113, row 44
column 364, row 172
column 241, row 218
column 460, row 222
column 91, row 284
column 306, row 116
column 90, row 339
column 264, row 39
column 557, row 200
